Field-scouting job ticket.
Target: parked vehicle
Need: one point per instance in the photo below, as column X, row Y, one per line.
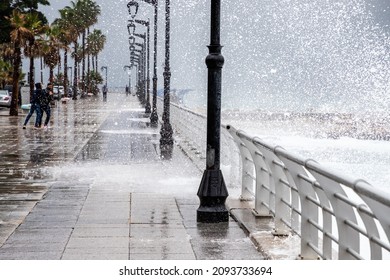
column 9, row 88
column 58, row 92
column 5, row 98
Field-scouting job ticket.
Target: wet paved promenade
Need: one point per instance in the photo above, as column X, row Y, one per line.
column 93, row 186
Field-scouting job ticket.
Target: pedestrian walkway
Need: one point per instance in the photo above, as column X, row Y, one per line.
column 94, row 187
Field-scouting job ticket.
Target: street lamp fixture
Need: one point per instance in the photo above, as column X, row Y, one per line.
column 212, row 191
column 131, row 27
column 134, row 57
column 132, row 7
column 142, row 36
column 131, row 40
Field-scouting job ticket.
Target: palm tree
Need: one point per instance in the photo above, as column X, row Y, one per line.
column 90, row 12
column 33, row 48
column 96, row 42
column 23, row 29
column 51, row 50
column 66, row 36
column 5, row 70
column 6, row 55
column 75, row 28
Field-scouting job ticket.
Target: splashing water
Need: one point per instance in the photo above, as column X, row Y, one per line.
column 327, row 56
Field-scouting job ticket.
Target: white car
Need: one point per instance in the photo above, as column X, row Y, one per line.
column 5, row 98
column 58, row 92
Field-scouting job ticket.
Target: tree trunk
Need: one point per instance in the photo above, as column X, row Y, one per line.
column 83, row 68
column 32, row 75
column 51, row 76
column 58, row 68
column 74, row 97
column 13, row 111
column 96, row 60
column 93, row 63
column 32, row 69
column 88, row 70
column 66, row 73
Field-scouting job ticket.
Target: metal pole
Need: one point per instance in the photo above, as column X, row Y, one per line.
column 154, row 116
column 212, row 190
column 147, row 106
column 166, row 132
column 41, row 70
column 142, row 57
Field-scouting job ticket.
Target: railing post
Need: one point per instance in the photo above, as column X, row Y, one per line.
column 309, row 211
column 247, row 167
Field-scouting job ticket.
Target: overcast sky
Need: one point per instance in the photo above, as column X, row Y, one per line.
column 250, row 34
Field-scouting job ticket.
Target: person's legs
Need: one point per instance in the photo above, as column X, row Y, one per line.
column 38, row 120
column 30, row 113
column 48, row 114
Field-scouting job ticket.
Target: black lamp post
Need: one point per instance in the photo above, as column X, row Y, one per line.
column 105, row 68
column 136, row 70
column 138, row 59
column 154, row 116
column 147, row 105
column 166, row 132
column 132, row 7
column 212, row 191
column 143, row 54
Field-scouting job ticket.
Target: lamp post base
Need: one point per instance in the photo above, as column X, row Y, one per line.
column 148, row 108
column 212, row 194
column 166, row 141
column 154, row 119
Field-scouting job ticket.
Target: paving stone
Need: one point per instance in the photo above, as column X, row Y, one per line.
column 98, row 242
column 101, row 232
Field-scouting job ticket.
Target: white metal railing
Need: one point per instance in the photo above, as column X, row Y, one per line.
column 335, row 216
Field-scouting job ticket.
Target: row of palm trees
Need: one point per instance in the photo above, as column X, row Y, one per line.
column 68, row 34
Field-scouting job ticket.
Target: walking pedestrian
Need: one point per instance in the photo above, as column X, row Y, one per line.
column 127, row 90
column 35, row 107
column 105, row 93
column 45, row 101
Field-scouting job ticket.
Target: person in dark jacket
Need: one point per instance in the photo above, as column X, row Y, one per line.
column 44, row 102
column 35, row 107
